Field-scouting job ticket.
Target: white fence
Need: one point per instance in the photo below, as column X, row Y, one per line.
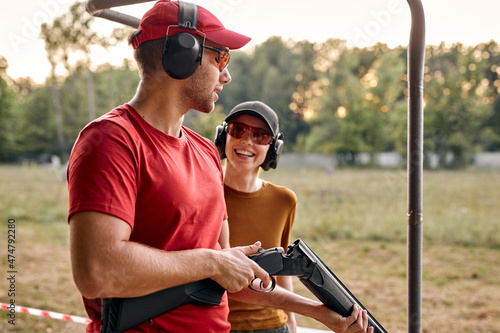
column 385, row 159
column 486, row 160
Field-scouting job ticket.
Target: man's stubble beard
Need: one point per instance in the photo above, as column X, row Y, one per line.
column 199, row 91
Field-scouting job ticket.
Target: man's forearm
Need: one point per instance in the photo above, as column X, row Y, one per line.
column 139, row 270
column 106, row 264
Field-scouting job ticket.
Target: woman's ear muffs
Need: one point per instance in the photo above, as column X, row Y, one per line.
column 220, row 139
column 274, row 152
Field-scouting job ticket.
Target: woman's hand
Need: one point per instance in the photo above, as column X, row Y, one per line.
column 357, row 322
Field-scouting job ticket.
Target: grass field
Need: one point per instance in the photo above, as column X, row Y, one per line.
column 354, row 219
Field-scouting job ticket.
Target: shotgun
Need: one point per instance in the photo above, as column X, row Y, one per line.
column 121, row 314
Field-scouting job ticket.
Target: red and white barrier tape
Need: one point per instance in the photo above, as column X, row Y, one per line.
column 43, row 313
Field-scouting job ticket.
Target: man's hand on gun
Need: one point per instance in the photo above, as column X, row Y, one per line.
column 236, row 271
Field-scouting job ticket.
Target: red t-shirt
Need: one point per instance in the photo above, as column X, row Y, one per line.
column 168, row 189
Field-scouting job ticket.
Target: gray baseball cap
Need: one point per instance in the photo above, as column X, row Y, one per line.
column 258, row 109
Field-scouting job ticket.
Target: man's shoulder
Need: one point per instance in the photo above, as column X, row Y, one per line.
column 199, row 139
column 115, row 122
column 118, row 116
column 189, row 132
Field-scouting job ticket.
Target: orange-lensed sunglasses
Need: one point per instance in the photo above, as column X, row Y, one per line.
column 260, row 136
column 222, row 57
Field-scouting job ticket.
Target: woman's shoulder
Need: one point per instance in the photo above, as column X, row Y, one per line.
column 280, row 190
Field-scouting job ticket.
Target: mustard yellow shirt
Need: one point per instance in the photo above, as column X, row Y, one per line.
column 267, row 216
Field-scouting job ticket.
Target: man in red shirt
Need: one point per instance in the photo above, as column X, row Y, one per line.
column 146, row 200
column 146, row 204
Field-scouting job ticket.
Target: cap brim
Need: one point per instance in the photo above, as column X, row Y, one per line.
column 254, row 113
column 228, row 38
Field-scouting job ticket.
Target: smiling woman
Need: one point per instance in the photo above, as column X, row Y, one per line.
column 257, row 210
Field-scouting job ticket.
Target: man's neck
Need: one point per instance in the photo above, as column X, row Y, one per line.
column 158, row 104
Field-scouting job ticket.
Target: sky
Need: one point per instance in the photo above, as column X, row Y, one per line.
column 360, row 22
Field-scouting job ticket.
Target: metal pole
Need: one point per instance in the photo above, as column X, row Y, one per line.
column 94, row 5
column 416, row 59
column 101, row 8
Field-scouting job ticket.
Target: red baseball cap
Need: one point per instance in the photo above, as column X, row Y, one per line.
column 166, row 13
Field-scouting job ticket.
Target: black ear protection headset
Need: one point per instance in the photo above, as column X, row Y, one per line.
column 273, row 154
column 182, row 52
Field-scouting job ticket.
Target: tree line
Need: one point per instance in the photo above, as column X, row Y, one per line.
column 330, row 98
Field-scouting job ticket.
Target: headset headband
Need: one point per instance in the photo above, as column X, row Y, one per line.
column 188, row 15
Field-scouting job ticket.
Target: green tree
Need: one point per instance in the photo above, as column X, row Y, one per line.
column 272, row 73
column 330, row 99
column 34, row 122
column 490, row 137
column 68, row 35
column 114, row 85
column 458, row 100
column 363, row 109
column 36, row 125
column 7, row 99
column 338, row 126
column 383, row 89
